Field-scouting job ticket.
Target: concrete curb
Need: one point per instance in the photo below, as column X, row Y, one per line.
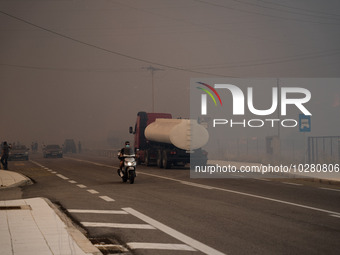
column 23, row 180
column 74, row 231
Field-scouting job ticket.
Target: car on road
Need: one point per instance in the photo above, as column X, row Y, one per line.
column 52, row 150
column 18, row 152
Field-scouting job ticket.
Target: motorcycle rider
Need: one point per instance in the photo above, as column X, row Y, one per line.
column 121, row 156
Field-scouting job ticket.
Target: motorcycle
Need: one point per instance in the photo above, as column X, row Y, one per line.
column 128, row 168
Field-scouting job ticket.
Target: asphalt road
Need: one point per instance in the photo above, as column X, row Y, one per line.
column 167, row 209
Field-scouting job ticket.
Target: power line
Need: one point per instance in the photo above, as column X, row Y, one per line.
column 300, row 9
column 97, row 70
column 270, row 61
column 288, row 11
column 110, row 51
column 263, row 14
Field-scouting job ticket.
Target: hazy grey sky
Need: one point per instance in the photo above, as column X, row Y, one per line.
column 76, row 69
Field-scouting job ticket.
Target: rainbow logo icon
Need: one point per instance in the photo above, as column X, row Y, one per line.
column 209, row 93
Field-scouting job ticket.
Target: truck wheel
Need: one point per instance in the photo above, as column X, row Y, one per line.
column 159, row 159
column 147, row 158
column 166, row 162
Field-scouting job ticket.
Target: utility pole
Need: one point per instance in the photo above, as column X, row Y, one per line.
column 152, row 70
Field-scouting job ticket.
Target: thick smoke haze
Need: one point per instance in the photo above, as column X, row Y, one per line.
column 79, row 69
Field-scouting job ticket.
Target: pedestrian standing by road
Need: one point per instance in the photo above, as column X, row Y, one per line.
column 4, row 155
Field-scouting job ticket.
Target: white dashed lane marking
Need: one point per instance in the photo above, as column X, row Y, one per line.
column 107, row 199
column 92, row 191
column 81, row 186
column 62, row 176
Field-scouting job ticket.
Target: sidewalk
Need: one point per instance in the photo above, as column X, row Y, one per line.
column 35, row 226
column 9, row 179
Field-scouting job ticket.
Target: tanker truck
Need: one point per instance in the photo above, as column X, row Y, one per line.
column 163, row 141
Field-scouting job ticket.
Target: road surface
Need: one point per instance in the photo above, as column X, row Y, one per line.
column 166, row 212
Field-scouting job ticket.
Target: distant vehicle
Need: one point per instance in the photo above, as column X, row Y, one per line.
column 52, row 150
column 18, row 152
column 69, row 146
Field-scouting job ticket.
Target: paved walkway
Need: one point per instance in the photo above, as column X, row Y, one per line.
column 35, row 226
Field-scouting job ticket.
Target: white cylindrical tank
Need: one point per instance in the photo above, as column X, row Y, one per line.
column 184, row 134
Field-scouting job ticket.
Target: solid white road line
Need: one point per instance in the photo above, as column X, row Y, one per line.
column 92, row 191
column 81, row 186
column 196, row 185
column 174, row 233
column 335, row 215
column 252, row 195
column 97, row 211
column 292, row 183
column 160, row 246
column 261, row 179
column 62, row 176
column 338, row 190
column 107, row 199
column 116, row 225
column 236, row 192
